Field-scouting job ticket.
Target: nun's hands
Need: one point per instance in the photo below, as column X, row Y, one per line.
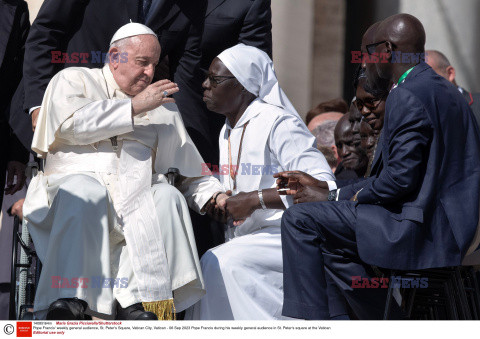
column 242, row 205
column 215, row 208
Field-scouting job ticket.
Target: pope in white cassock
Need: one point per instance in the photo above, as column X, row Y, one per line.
column 106, row 225
column 263, row 134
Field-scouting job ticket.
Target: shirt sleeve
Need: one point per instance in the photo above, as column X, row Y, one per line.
column 97, row 121
column 198, row 190
column 294, row 148
column 332, row 185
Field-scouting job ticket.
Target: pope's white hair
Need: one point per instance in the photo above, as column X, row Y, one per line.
column 123, row 43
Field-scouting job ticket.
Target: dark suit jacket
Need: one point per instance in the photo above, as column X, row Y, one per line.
column 344, row 176
column 14, row 26
column 473, row 100
column 420, row 209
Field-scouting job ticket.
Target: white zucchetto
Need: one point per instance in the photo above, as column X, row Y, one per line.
column 131, row 29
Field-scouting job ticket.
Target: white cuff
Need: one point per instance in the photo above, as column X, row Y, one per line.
column 32, row 109
column 332, row 185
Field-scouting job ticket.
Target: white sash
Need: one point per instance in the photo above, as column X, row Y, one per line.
column 136, row 210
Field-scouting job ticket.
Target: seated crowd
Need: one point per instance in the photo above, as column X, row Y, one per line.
column 391, row 181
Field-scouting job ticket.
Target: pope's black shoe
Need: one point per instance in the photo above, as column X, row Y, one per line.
column 68, row 309
column 134, row 312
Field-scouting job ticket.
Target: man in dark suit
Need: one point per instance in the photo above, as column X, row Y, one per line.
column 440, row 64
column 14, row 26
column 420, row 207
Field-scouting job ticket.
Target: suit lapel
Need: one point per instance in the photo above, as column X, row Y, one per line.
column 212, row 4
column 377, row 159
column 7, row 14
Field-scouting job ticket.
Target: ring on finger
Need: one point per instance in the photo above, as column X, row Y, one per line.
column 165, row 94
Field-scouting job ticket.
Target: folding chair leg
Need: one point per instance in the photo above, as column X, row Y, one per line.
column 388, row 303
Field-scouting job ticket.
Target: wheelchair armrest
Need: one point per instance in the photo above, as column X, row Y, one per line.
column 173, row 174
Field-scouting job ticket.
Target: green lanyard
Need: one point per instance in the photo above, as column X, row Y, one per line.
column 404, row 75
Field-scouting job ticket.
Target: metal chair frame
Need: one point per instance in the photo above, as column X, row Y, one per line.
column 453, row 293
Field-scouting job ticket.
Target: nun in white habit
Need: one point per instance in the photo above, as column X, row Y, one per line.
column 263, row 134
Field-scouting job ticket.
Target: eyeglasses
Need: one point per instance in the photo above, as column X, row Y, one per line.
column 216, row 80
column 371, row 47
column 371, row 104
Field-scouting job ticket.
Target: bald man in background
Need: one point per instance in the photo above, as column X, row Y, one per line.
column 334, row 105
column 323, row 131
column 440, row 64
column 321, row 118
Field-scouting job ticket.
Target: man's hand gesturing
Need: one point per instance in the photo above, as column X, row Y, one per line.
column 302, row 186
column 153, row 96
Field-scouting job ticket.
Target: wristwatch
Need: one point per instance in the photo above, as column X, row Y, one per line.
column 332, row 195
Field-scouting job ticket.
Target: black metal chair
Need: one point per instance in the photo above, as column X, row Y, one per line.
column 452, row 294
column 25, row 273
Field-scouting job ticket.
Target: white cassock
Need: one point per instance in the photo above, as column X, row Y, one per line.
column 91, row 197
column 243, row 277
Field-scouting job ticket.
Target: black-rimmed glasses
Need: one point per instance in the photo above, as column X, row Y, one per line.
column 372, row 105
column 216, row 80
column 371, row 47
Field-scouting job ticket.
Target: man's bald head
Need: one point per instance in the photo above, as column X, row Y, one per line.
column 404, row 31
column 369, row 36
column 321, row 118
column 440, row 64
column 343, row 127
column 402, row 36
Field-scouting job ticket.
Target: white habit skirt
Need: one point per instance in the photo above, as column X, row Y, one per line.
column 243, row 279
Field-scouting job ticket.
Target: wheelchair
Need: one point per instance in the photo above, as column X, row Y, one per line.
column 25, row 269
column 26, row 266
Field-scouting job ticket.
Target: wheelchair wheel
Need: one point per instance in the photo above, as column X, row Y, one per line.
column 25, row 272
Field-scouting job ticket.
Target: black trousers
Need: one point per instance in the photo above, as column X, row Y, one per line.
column 318, row 241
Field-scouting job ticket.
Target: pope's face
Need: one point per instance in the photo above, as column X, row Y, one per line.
column 134, row 68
